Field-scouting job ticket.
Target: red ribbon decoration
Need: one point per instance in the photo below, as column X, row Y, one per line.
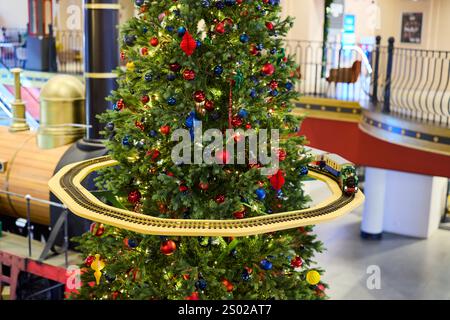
column 277, row 180
column 188, row 44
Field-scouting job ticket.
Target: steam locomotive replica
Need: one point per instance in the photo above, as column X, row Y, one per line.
column 339, row 168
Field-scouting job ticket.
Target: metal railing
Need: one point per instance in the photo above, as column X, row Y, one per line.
column 69, row 50
column 12, row 47
column 412, row 83
column 318, row 62
column 62, row 222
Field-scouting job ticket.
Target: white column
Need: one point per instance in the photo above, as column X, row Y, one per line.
column 415, row 204
column 402, row 203
column 374, row 190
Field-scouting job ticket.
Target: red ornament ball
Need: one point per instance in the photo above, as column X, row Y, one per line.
column 88, row 261
column 120, row 104
column 188, row 74
column 145, row 99
column 220, row 198
column 154, row 41
column 183, row 188
column 168, row 247
column 282, row 154
column 199, row 96
column 253, row 50
column 248, row 126
column 236, row 121
column 268, row 69
column 134, row 196
column 193, row 296
column 209, row 105
column 228, row 285
column 97, row 229
column 296, row 262
column 203, row 186
column 220, row 28
column 122, row 55
column 269, row 26
column 239, row 214
column 175, row 67
column 144, row 51
column 165, row 130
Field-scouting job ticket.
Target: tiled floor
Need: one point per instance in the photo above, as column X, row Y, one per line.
column 409, row 268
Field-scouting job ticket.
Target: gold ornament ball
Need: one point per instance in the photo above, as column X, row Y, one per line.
column 313, row 277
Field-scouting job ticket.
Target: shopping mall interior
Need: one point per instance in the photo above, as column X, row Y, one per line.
column 374, row 84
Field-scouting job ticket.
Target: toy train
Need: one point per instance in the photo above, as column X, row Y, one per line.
column 338, row 167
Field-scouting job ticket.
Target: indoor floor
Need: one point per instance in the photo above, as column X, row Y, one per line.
column 409, row 268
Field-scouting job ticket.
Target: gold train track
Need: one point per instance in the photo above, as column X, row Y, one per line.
column 66, row 185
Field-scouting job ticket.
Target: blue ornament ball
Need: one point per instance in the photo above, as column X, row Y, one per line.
column 144, row 29
column 148, row 77
column 220, row 5
column 274, row 92
column 171, row 76
column 243, row 113
column 266, row 264
column 218, row 70
column 171, row 101
column 126, row 141
column 244, row 38
column 260, row 193
column 253, row 93
column 201, row 284
column 181, row 31
column 245, row 275
column 289, row 86
column 153, row 133
column 273, row 51
column 198, row 43
column 304, row 171
column 206, row 3
column 139, row 2
column 169, row 28
column 259, row 46
column 132, row 243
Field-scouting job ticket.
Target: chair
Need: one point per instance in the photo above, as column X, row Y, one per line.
column 345, row 75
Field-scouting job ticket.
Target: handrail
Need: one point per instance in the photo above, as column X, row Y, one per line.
column 29, row 198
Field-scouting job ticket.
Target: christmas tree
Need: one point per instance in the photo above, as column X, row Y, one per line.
column 194, row 66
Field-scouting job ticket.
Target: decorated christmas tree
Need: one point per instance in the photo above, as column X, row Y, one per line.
column 193, row 66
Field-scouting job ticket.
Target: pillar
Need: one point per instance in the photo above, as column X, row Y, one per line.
column 101, row 58
column 402, row 203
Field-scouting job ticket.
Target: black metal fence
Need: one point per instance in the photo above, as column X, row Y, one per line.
column 412, row 83
column 332, row 70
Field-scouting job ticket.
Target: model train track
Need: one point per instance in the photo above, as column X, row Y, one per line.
column 66, row 185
